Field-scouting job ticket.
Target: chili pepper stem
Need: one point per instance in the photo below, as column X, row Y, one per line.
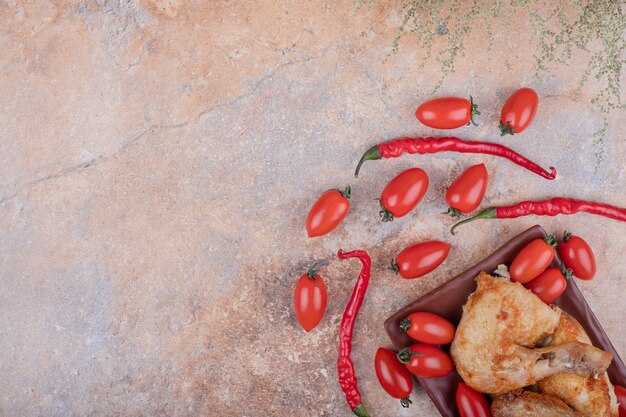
column 372, row 154
column 385, row 214
column 488, row 213
column 406, row 402
column 361, row 411
column 506, row 129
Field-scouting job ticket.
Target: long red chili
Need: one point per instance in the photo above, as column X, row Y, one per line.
column 397, row 147
column 345, row 367
column 552, row 207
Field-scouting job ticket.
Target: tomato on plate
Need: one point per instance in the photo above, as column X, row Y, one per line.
column 467, row 191
column 419, row 259
column 550, row 284
column 577, row 255
column 327, row 212
column 428, row 328
column 470, row 402
column 518, row 111
column 403, row 193
column 426, row 361
column 447, row 112
column 620, row 393
column 393, row 376
column 309, row 299
column 533, row 259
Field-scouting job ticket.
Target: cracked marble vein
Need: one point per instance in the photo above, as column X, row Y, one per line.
column 162, row 128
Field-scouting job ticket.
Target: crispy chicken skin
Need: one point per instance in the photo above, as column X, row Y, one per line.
column 530, row 404
column 591, row 397
column 493, row 346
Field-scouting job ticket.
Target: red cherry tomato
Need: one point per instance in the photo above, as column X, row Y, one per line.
column 471, row 403
column 577, row 255
column 403, row 193
column 309, row 299
column 447, row 112
column 327, row 212
column 426, row 361
column 467, row 191
column 518, row 111
column 393, row 376
column 428, row 328
column 620, row 393
column 550, row 284
column 421, row 258
column 532, row 260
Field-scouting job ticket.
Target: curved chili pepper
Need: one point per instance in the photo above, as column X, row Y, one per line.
column 552, row 207
column 345, row 367
column 397, row 147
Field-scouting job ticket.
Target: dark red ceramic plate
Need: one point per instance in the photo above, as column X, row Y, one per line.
column 448, row 300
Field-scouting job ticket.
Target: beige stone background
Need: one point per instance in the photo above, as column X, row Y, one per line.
column 158, row 159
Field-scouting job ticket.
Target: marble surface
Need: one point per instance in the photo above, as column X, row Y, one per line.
column 158, row 161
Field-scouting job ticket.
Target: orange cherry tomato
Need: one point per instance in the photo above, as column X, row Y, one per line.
column 421, row 258
column 327, row 212
column 577, row 255
column 550, row 284
column 532, row 260
column 393, row 376
column 447, row 112
column 620, row 393
column 471, row 403
column 309, row 299
column 403, row 193
column 518, row 111
column 467, row 191
column 426, row 361
column 428, row 328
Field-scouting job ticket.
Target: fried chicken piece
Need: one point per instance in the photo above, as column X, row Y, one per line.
column 591, row 397
column 493, row 346
column 530, row 404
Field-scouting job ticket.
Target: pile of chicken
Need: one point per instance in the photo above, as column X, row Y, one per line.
column 495, row 352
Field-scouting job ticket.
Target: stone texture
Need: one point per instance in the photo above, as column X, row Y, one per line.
column 158, row 161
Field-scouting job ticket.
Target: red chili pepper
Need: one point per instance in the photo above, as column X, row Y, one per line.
column 552, row 207
column 397, row 147
column 345, row 367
